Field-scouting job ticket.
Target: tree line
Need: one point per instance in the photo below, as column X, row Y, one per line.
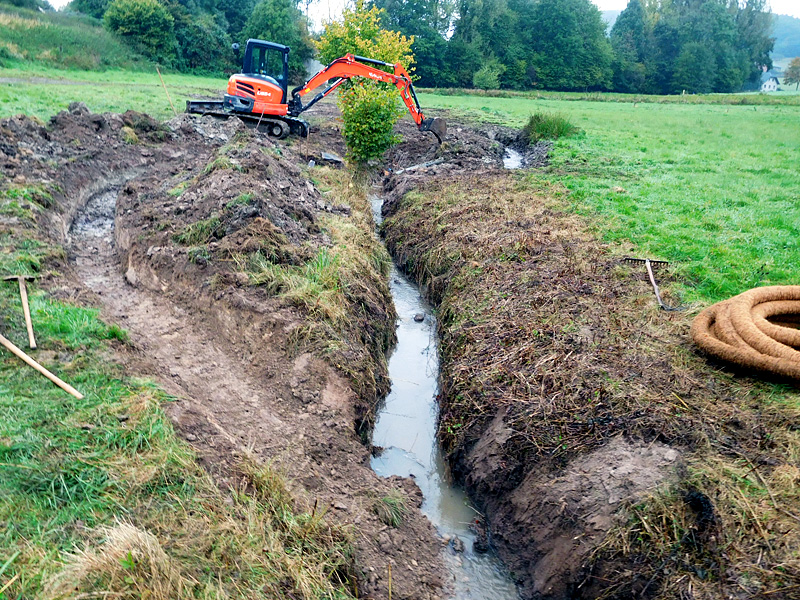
column 654, row 47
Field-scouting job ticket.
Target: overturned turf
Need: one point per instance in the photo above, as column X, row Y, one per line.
column 610, row 459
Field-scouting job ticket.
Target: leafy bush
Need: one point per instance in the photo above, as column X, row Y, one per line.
column 93, row 8
column 203, row 44
column 369, row 115
column 488, row 76
column 369, row 109
column 147, row 23
column 547, row 126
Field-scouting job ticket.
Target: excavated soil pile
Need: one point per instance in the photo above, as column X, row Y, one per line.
column 180, row 233
column 609, row 459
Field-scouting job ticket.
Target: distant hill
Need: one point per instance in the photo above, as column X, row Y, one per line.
column 610, row 17
column 787, row 38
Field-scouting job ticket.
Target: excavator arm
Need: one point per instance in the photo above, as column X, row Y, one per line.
column 349, row 66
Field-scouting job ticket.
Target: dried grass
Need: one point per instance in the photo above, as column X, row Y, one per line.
column 128, row 563
column 539, row 318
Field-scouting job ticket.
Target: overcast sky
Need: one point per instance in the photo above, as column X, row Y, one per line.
column 330, row 9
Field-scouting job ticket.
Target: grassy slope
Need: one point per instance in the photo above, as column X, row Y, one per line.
column 66, row 41
column 48, row 60
column 714, row 189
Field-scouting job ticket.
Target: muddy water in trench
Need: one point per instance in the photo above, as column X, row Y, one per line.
column 512, row 159
column 406, row 430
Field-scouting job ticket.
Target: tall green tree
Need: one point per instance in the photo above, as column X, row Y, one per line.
column 632, row 42
column 147, row 24
column 204, row 46
column 734, row 35
column 93, row 8
column 793, row 73
column 237, row 12
column 427, row 21
column 571, row 51
column 754, row 24
column 280, row 21
column 694, row 70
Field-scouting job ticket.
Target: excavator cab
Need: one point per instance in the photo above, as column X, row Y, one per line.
column 269, row 62
column 261, row 87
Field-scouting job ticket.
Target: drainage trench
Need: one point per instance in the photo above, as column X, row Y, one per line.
column 405, row 431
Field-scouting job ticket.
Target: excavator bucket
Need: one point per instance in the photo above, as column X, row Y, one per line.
column 436, row 126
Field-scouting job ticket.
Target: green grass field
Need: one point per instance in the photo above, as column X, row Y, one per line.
column 45, row 91
column 714, row 189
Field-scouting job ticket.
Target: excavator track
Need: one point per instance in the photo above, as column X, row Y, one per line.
column 275, row 126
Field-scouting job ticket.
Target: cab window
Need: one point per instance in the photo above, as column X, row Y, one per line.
column 267, row 63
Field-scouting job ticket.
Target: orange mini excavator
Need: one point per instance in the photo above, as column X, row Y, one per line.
column 259, row 95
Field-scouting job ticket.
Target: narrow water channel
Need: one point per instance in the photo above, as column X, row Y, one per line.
column 512, row 159
column 406, row 430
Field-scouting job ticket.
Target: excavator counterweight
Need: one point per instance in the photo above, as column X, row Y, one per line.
column 259, row 95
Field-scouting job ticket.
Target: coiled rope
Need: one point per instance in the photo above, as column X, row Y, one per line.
column 737, row 330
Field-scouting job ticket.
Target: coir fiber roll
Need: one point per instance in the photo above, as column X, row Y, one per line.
column 737, row 330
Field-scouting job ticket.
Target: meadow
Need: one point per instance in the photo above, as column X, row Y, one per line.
column 712, row 188
column 45, row 91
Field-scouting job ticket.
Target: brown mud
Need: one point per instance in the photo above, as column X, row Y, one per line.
column 598, row 444
column 246, row 376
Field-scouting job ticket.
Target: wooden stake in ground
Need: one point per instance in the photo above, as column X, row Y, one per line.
column 165, row 90
column 23, row 294
column 28, row 360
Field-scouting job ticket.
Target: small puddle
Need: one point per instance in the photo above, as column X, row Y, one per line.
column 512, row 159
column 406, row 430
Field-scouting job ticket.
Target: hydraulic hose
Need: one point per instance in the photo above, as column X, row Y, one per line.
column 738, row 331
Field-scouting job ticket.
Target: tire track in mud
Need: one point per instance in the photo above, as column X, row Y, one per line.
column 168, row 335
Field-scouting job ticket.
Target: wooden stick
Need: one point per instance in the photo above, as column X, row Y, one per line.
column 390, row 581
column 23, row 293
column 165, row 90
column 8, row 585
column 27, row 359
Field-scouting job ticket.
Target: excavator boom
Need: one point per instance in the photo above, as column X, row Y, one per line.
column 349, row 66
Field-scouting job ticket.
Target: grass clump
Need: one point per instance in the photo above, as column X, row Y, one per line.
column 245, row 199
column 220, row 163
column 315, row 286
column 129, row 136
column 200, row 232
column 547, row 126
column 178, row 190
column 341, row 287
column 391, row 509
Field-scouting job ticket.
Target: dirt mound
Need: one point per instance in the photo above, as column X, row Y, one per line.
column 190, row 236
